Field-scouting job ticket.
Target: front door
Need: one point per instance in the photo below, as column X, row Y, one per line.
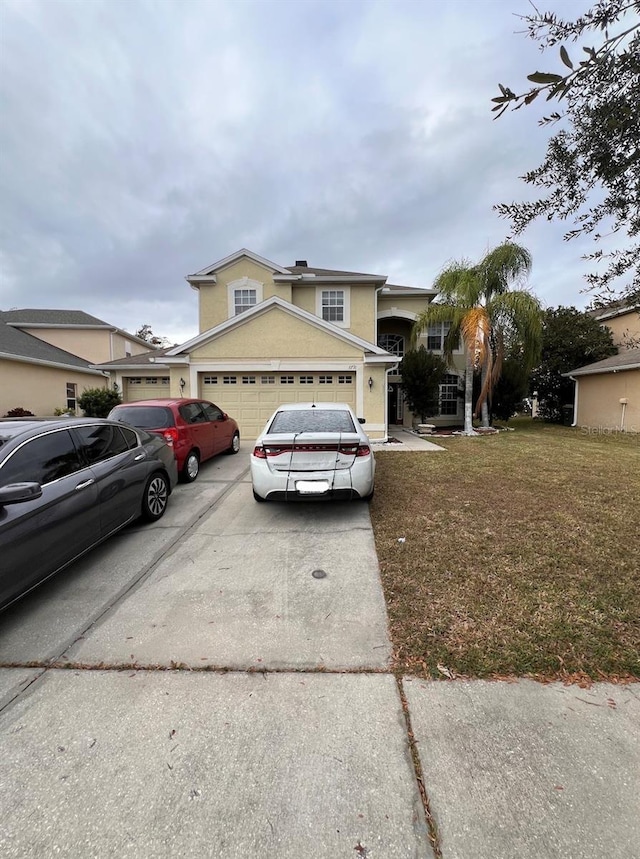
column 395, row 404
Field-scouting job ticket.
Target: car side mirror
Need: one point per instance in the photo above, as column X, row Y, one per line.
column 361, row 420
column 15, row 493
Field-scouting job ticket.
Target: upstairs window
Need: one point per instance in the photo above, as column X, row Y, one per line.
column 332, row 304
column 437, row 334
column 393, row 343
column 243, row 299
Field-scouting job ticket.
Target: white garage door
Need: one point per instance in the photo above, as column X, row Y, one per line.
column 251, row 398
column 145, row 388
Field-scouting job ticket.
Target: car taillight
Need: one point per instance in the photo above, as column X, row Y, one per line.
column 363, row 450
column 170, row 435
column 259, row 453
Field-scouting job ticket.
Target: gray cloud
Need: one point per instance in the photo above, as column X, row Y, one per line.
column 142, row 140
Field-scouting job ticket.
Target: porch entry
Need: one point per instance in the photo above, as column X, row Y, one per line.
column 395, row 404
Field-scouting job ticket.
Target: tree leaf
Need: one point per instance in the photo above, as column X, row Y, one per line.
column 544, row 78
column 533, row 94
column 564, row 56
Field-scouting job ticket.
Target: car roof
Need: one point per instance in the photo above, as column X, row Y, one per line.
column 12, row 427
column 163, row 401
column 292, row 407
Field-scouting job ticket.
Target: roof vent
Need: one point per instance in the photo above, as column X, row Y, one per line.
column 302, row 263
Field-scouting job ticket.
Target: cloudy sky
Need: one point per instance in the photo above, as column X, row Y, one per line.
column 141, row 140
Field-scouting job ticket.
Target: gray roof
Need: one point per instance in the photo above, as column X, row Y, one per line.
column 626, row 359
column 29, row 316
column 133, row 361
column 329, row 272
column 14, row 342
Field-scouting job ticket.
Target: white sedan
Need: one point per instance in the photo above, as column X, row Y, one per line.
column 312, row 450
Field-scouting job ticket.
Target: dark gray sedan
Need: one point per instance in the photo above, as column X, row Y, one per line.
column 66, row 485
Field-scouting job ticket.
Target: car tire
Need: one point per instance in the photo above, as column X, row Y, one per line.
column 258, row 497
column 234, row 447
column 156, row 496
column 191, row 467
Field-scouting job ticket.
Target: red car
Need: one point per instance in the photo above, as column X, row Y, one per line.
column 196, row 429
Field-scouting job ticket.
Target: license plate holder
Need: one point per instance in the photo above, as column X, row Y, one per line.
column 312, row 487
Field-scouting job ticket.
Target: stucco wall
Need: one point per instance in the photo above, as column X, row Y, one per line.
column 95, row 345
column 275, row 334
column 599, row 396
column 38, row 388
column 628, row 324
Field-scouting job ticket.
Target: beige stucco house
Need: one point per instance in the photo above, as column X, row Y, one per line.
column 607, row 393
column 46, row 357
column 271, row 333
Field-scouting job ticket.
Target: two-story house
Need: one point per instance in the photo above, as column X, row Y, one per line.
column 46, row 357
column 271, row 334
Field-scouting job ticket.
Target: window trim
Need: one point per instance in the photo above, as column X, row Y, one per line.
column 346, row 298
column 238, row 284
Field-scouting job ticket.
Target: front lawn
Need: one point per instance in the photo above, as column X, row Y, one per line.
column 513, row 554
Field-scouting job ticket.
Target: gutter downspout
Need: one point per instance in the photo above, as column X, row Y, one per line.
column 387, row 373
column 575, row 401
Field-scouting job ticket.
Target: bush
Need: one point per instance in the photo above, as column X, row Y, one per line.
column 19, row 412
column 422, row 373
column 60, row 412
column 98, row 402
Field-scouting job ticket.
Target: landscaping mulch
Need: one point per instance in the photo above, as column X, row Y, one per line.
column 514, row 554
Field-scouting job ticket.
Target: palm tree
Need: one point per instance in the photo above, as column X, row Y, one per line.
column 485, row 313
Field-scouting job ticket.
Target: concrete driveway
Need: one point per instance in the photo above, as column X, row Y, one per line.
column 218, row 684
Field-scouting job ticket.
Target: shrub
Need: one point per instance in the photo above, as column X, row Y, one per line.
column 98, row 402
column 422, row 373
column 19, row 412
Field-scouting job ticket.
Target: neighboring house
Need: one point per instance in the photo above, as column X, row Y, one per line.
column 46, row 357
column 607, row 393
column 623, row 322
column 271, row 334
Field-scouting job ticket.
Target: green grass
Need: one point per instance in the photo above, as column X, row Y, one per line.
column 521, row 554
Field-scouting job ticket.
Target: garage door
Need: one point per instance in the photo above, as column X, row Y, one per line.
column 145, row 388
column 251, row 398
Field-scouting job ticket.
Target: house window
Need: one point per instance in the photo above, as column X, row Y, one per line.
column 72, row 396
column 286, row 380
column 306, row 380
column 326, row 380
column 333, row 305
column 393, row 343
column 243, row 299
column 210, row 380
column 248, row 380
column 345, row 380
column 437, row 334
column 268, row 380
column 229, row 380
column 449, row 395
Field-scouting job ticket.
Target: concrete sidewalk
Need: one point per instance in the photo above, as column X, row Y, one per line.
column 232, row 696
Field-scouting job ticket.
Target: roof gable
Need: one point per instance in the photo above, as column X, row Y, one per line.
column 264, row 307
column 210, row 270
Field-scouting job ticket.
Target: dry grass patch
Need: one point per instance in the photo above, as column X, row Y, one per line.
column 521, row 554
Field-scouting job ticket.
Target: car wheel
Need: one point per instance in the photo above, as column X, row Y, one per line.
column 155, row 498
column 258, row 497
column 191, row 467
column 234, row 447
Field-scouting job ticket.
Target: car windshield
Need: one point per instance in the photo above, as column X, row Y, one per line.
column 312, row 420
column 144, row 417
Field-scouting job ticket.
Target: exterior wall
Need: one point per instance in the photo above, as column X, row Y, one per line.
column 275, row 335
column 40, row 389
column 96, row 345
column 627, row 324
column 405, row 303
column 213, row 297
column 599, row 395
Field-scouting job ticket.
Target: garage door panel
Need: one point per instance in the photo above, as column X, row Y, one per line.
column 145, row 388
column 253, row 397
